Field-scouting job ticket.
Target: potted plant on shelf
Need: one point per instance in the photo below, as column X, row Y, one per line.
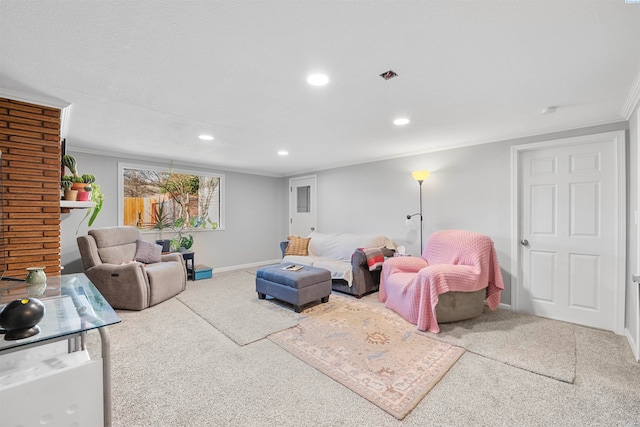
column 87, row 178
column 78, row 183
column 78, row 180
column 84, row 194
column 86, row 186
column 88, row 189
column 69, row 194
column 71, row 164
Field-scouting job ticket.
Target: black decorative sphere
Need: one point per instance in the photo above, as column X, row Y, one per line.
column 20, row 317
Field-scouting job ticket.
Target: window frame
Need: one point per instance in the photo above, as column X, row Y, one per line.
column 122, row 166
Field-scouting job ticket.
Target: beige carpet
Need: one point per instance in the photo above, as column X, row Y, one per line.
column 230, row 304
column 171, row 367
column 371, row 351
column 546, row 347
column 542, row 346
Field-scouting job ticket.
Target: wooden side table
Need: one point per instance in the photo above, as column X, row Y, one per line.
column 189, row 262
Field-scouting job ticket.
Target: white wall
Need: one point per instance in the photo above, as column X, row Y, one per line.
column 469, row 188
column 256, row 216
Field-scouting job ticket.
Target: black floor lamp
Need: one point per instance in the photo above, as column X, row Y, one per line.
column 419, row 176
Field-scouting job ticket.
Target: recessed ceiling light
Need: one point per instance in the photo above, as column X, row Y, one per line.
column 401, row 121
column 283, row 153
column 206, row 137
column 318, row 79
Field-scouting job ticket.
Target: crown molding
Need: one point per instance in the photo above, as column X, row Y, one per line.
column 33, row 99
column 632, row 100
column 65, row 116
column 186, row 164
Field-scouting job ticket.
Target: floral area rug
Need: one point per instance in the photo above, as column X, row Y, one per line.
column 371, row 351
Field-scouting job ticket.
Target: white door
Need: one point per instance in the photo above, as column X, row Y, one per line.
column 570, row 231
column 302, row 205
column 633, row 304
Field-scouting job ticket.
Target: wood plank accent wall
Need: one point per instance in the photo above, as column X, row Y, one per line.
column 30, row 144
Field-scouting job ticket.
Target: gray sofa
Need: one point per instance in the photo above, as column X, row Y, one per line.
column 108, row 259
column 325, row 254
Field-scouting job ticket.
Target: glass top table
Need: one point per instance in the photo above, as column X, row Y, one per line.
column 72, row 305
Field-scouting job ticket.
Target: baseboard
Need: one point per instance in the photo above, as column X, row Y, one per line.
column 504, row 306
column 634, row 345
column 250, row 265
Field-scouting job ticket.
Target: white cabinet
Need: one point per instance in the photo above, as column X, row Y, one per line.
column 46, row 385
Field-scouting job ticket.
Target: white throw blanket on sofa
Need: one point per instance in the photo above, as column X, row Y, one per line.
column 333, row 251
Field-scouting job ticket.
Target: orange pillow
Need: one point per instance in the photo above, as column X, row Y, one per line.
column 297, row 246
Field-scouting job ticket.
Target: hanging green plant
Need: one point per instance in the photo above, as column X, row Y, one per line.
column 98, row 198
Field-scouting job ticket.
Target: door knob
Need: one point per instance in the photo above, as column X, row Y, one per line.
column 313, row 229
column 524, row 242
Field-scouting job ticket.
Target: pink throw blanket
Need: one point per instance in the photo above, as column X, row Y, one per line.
column 452, row 260
column 374, row 256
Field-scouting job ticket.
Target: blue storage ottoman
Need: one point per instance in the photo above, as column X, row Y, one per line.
column 202, row 272
column 295, row 287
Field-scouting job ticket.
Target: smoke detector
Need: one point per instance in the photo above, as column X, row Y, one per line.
column 389, row 74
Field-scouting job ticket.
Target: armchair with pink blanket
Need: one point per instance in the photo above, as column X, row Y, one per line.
column 453, row 262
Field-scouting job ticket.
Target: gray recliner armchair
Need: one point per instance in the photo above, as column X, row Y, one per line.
column 108, row 258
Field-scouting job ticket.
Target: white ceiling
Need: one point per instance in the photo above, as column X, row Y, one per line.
column 146, row 77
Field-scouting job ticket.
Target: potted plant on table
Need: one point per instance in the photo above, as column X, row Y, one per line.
column 186, row 241
column 160, row 220
column 181, row 242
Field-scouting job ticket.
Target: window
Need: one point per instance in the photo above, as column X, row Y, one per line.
column 154, row 198
column 303, row 199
